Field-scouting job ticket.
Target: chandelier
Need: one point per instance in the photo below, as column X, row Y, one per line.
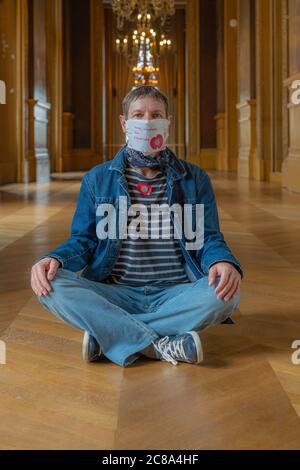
column 144, row 46
column 128, row 9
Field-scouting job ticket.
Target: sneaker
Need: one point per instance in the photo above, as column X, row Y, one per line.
column 185, row 347
column 91, row 351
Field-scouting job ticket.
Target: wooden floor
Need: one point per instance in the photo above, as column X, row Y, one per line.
column 245, row 395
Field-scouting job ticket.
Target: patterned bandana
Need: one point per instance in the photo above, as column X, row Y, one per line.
column 138, row 159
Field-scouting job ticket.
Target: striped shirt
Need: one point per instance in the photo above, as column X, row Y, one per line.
column 149, row 260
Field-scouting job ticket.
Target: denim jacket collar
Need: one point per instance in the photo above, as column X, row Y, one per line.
column 176, row 169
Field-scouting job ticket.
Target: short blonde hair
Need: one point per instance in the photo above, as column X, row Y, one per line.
column 141, row 92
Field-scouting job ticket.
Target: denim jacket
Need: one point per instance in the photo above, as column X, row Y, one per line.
column 104, row 183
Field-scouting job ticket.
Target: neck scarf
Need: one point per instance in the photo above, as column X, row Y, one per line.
column 157, row 162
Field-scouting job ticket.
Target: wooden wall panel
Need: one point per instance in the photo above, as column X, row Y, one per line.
column 83, row 79
column 208, row 73
column 244, row 50
column 39, row 51
column 37, row 166
column 192, row 71
column 246, row 105
column 67, row 56
column 230, row 81
column 291, row 164
column 55, row 72
column 220, row 55
column 9, row 110
column 294, row 37
column 263, row 88
column 180, row 27
column 220, row 116
column 81, row 73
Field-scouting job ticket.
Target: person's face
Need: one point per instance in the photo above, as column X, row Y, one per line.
column 145, row 108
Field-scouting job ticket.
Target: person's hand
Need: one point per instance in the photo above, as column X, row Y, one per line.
column 42, row 272
column 229, row 283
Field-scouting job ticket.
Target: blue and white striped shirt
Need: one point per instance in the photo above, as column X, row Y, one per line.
column 149, row 261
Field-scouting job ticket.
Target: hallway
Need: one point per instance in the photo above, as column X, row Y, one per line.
column 245, row 395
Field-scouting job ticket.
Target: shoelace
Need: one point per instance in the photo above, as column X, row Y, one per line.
column 169, row 349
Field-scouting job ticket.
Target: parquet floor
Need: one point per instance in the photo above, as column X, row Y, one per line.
column 246, row 395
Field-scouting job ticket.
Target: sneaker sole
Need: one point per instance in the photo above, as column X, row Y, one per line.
column 85, row 349
column 198, row 346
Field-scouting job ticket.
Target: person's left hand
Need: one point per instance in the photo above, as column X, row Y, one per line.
column 229, row 283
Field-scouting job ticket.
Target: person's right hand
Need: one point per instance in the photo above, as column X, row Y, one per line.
column 41, row 272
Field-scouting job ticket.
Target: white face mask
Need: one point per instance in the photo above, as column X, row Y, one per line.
column 147, row 136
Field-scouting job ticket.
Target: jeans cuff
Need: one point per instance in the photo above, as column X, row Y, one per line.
column 132, row 355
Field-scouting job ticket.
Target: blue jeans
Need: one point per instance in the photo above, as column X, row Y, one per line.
column 126, row 319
